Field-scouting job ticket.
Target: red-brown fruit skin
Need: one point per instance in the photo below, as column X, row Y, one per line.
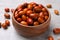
column 7, row 22
column 4, row 26
column 19, row 19
column 29, row 21
column 56, row 30
column 0, row 24
column 7, row 15
column 50, row 38
column 7, row 10
column 12, row 10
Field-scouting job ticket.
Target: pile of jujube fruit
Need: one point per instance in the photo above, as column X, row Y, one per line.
column 31, row 14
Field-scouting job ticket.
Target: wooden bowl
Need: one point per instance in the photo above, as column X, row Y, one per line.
column 31, row 31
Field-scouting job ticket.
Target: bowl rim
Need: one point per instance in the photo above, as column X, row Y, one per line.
column 32, row 26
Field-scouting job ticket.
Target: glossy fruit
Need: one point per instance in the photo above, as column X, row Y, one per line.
column 25, row 5
column 24, row 23
column 56, row 12
column 49, row 6
column 41, row 20
column 24, row 18
column 56, row 31
column 33, row 16
column 20, row 9
column 30, row 6
column 34, row 4
column 29, row 12
column 4, row 25
column 29, row 21
column 50, row 38
column 16, row 13
column 7, row 9
column 7, row 22
column 46, row 17
column 41, row 6
column 37, row 9
column 41, row 14
column 25, row 10
column 36, row 23
column 21, row 13
column 19, row 19
column 44, row 9
column 16, row 16
column 7, row 15
column 46, row 14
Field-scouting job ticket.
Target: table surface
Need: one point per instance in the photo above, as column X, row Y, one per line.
column 10, row 33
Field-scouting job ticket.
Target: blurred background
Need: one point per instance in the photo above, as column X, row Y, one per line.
column 10, row 33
